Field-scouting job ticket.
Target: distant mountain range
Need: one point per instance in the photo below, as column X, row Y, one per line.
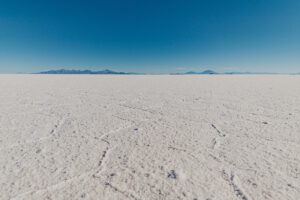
column 204, row 72
column 213, row 72
column 192, row 72
column 72, row 71
column 107, row 71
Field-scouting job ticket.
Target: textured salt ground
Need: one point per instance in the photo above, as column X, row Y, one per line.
column 149, row 137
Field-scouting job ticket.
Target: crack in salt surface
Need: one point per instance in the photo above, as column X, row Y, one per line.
column 218, row 131
column 230, row 179
column 120, row 129
column 101, row 162
column 136, row 108
column 176, row 149
column 124, row 119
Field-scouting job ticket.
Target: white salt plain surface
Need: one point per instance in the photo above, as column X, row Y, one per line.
column 149, row 137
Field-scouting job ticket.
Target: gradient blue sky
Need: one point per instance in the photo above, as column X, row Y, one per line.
column 152, row 36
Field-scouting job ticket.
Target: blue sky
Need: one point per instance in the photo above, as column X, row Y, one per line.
column 152, row 36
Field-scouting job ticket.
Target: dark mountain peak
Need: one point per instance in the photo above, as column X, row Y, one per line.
column 208, row 72
column 203, row 72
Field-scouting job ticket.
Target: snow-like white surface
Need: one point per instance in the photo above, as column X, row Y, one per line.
column 149, row 137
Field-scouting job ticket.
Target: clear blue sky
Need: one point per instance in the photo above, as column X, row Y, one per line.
column 152, row 36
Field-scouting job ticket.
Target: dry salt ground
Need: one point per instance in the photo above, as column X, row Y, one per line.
column 198, row 137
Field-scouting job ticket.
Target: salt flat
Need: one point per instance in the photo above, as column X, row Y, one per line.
column 198, row 137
